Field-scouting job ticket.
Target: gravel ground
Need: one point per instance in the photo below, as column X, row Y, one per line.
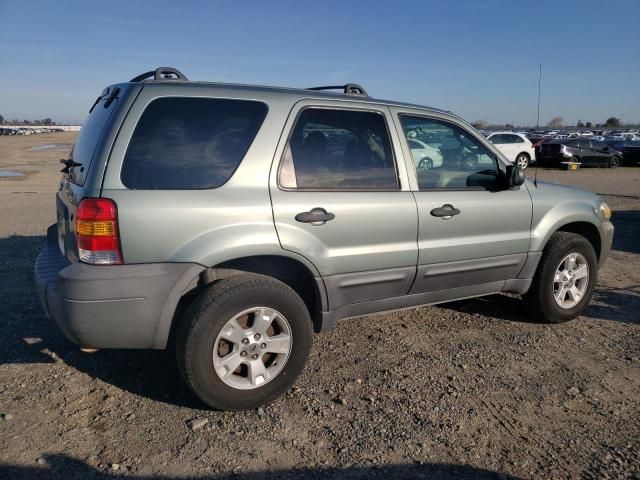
column 470, row 389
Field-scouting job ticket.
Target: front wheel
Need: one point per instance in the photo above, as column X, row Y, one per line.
column 522, row 161
column 565, row 279
column 614, row 162
column 243, row 342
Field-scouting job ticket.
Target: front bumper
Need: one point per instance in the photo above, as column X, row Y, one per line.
column 606, row 239
column 119, row 306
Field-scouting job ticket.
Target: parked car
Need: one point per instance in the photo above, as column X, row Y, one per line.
column 630, row 150
column 234, row 220
column 424, row 156
column 584, row 151
column 515, row 146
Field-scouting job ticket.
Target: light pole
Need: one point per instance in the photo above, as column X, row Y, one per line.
column 539, row 93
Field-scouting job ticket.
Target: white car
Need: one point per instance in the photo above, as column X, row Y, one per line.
column 425, row 157
column 629, row 136
column 516, row 147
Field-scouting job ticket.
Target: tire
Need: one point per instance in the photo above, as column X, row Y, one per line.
column 539, row 300
column 425, row 164
column 523, row 160
column 614, row 162
column 201, row 330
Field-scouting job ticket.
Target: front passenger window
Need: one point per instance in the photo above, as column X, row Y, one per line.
column 449, row 157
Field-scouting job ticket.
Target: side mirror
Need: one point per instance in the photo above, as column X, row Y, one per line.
column 515, row 176
column 606, row 148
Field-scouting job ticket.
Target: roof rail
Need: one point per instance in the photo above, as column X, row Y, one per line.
column 348, row 89
column 161, row 73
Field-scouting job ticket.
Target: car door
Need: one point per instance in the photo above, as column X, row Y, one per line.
column 587, row 155
column 600, row 152
column 341, row 199
column 473, row 234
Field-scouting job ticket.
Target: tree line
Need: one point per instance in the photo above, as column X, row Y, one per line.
column 558, row 122
column 45, row 122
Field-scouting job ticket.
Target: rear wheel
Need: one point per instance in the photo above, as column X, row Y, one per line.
column 565, row 279
column 243, row 342
column 522, row 161
column 614, row 162
column 425, row 164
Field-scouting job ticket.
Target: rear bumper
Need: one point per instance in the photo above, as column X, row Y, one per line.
column 120, row 306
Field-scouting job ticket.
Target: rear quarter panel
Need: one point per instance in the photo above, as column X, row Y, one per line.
column 201, row 226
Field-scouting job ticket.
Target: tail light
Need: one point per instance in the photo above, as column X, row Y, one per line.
column 97, row 232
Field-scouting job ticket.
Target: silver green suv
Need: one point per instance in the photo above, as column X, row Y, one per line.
column 237, row 220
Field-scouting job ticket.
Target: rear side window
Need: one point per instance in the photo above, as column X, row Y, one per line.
column 339, row 150
column 190, row 143
column 89, row 137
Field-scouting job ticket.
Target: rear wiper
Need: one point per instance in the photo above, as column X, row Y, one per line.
column 68, row 165
column 102, row 95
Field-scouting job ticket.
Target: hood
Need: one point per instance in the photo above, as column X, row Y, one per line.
column 559, row 193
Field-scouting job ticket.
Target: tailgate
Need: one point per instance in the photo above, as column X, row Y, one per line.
column 78, row 166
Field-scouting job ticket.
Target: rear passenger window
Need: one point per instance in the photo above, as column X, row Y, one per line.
column 190, row 143
column 339, row 150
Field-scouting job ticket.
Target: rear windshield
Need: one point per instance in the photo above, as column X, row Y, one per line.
column 190, row 143
column 89, row 136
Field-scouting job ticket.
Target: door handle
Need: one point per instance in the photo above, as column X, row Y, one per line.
column 445, row 212
column 316, row 216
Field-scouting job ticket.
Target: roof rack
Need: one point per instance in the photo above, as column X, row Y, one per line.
column 161, row 73
column 348, row 89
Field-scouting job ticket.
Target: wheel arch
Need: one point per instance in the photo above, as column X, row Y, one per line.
column 297, row 273
column 587, row 230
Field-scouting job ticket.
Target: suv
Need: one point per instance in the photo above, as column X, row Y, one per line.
column 232, row 221
column 515, row 146
column 584, row 151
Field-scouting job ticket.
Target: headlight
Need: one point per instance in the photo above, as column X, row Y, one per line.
column 605, row 210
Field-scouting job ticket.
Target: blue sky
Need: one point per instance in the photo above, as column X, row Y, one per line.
column 478, row 58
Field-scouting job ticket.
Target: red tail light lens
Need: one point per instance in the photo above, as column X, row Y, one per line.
column 97, row 232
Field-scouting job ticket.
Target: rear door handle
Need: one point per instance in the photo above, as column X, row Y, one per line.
column 316, row 216
column 445, row 212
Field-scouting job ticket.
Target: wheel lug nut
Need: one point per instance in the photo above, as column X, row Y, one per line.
column 257, row 336
column 263, row 346
column 254, row 356
column 243, row 353
column 245, row 341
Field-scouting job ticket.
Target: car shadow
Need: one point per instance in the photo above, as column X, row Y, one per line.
column 626, row 237
column 30, row 338
column 607, row 304
column 65, row 467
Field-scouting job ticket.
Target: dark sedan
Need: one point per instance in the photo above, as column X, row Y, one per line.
column 630, row 150
column 580, row 150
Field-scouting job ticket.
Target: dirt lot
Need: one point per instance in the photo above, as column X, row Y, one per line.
column 464, row 390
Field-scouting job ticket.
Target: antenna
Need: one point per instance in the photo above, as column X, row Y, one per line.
column 539, row 95
column 535, row 173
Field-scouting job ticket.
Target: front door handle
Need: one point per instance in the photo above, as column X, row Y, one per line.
column 316, row 216
column 445, row 212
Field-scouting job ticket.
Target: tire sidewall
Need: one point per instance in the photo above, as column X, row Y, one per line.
column 208, row 385
column 527, row 158
column 551, row 309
